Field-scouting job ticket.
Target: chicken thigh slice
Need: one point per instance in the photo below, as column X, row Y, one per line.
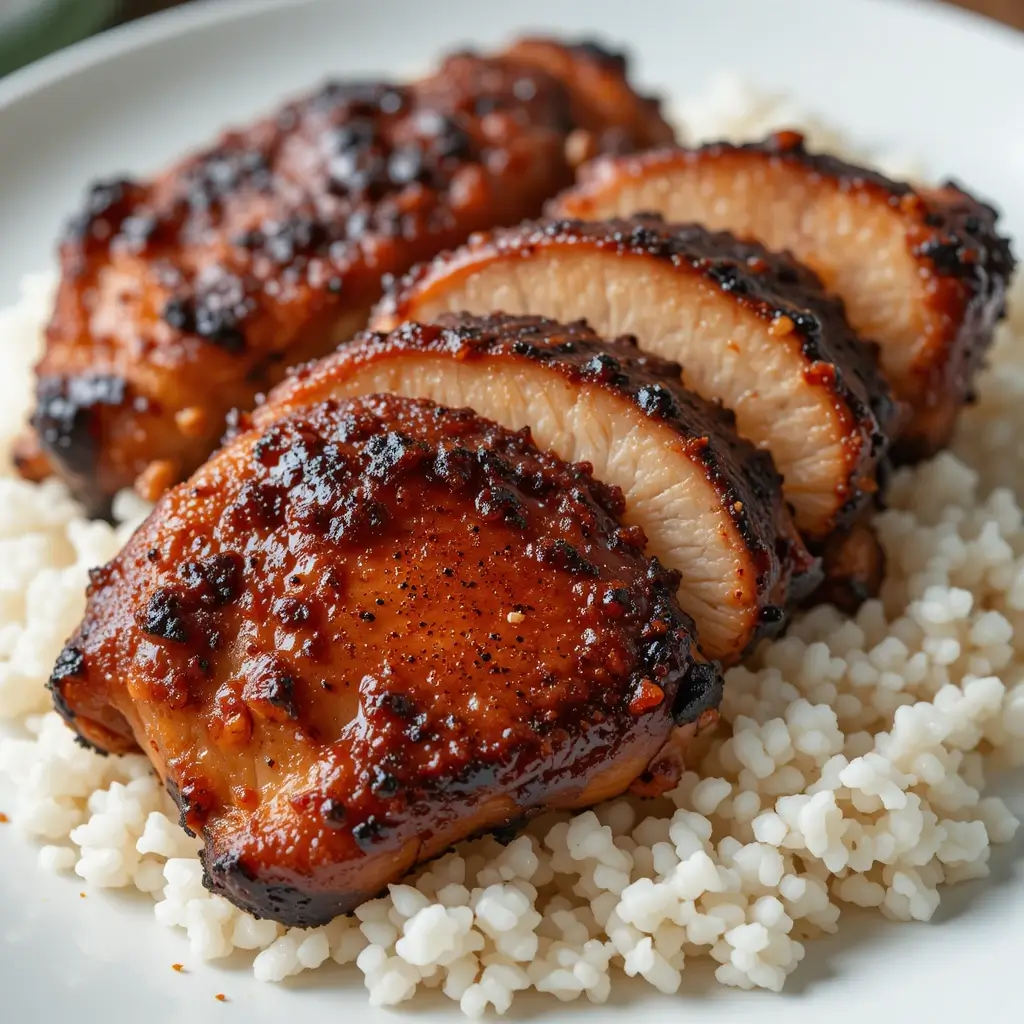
column 368, row 629
column 752, row 329
column 922, row 270
column 709, row 502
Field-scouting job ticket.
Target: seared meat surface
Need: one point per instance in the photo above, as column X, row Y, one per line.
column 752, row 329
column 184, row 296
column 923, row 271
column 607, row 111
column 709, row 502
column 368, row 629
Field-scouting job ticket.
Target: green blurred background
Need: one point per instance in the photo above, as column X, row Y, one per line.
column 29, row 29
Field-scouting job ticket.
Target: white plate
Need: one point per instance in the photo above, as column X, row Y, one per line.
column 906, row 76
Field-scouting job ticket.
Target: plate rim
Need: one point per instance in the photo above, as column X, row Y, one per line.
column 24, row 87
column 112, row 43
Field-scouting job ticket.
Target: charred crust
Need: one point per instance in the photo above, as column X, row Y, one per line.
column 174, row 792
column 770, row 285
column 70, row 667
column 181, row 612
column 658, row 401
column 280, row 693
column 216, row 580
column 963, row 260
column 106, row 206
column 566, row 557
column 70, row 664
column 592, row 49
column 392, row 453
column 164, row 616
column 229, row 875
column 701, row 692
column 509, row 831
column 194, row 802
column 67, row 421
column 222, row 172
column 369, row 832
column 494, row 503
column 216, row 311
column 650, row 383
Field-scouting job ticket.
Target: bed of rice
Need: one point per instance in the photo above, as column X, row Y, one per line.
column 854, row 770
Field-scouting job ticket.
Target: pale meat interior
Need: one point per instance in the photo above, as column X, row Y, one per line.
column 728, row 353
column 858, row 247
column 666, row 492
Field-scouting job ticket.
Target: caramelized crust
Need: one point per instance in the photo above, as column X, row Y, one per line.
column 921, row 270
column 753, row 329
column 369, row 629
column 708, row 501
column 185, row 296
column 612, row 116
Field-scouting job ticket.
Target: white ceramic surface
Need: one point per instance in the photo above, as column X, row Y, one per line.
column 906, row 75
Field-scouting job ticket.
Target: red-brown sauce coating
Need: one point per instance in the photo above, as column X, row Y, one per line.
column 742, row 481
column 771, row 285
column 369, row 629
column 185, row 296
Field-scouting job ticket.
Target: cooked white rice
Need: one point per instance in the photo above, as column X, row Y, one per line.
column 854, row 773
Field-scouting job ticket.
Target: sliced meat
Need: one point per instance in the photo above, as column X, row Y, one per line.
column 371, row 629
column 921, row 270
column 752, row 329
column 185, row 296
column 709, row 502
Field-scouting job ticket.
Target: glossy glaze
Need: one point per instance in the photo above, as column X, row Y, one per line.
column 743, row 278
column 185, row 296
column 368, row 629
column 742, row 515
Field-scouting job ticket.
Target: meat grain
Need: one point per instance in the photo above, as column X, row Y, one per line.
column 922, row 270
column 753, row 330
column 709, row 502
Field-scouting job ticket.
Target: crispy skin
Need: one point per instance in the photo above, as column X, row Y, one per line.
column 312, row 641
column 753, row 329
column 709, row 502
column 185, row 296
column 921, row 270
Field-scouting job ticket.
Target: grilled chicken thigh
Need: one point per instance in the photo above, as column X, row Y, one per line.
column 752, row 329
column 184, row 296
column 921, row 270
column 709, row 502
column 371, row 628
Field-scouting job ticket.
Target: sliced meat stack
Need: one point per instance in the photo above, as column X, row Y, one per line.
column 921, row 270
column 474, row 563
column 753, row 331
column 369, row 629
column 185, row 296
column 709, row 502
